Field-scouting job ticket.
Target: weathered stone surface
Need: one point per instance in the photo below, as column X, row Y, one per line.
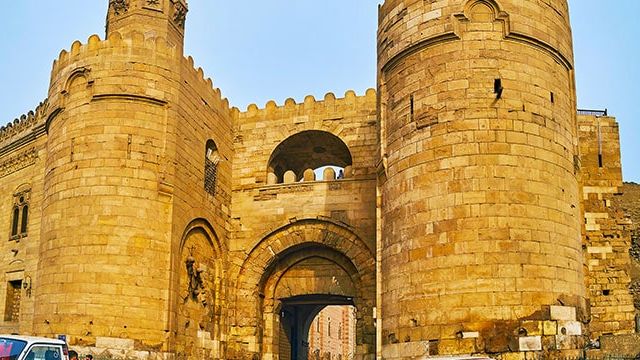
column 566, row 313
column 530, row 343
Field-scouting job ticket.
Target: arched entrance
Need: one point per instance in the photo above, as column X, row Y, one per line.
column 295, row 272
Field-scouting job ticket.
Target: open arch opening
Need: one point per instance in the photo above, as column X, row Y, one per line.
column 307, row 156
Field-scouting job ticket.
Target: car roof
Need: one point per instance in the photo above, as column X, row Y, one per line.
column 33, row 339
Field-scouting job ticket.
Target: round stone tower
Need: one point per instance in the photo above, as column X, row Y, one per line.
column 481, row 246
column 105, row 256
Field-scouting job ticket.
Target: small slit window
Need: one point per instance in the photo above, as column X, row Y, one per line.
column 211, row 161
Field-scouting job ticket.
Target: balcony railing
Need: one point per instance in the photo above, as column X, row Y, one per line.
column 592, row 112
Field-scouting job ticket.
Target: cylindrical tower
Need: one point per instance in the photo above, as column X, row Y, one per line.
column 481, row 229
column 105, row 254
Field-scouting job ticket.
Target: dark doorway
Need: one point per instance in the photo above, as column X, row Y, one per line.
column 296, row 315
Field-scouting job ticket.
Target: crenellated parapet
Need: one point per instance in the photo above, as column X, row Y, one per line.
column 310, row 105
column 116, row 41
column 210, row 94
column 23, row 129
column 126, row 67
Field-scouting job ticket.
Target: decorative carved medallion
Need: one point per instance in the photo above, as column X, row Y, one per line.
column 119, row 6
column 153, row 5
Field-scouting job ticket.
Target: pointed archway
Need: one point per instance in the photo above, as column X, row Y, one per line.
column 315, row 259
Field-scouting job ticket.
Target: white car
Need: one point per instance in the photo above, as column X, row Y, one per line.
column 16, row 347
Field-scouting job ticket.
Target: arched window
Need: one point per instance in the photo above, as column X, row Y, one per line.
column 25, row 219
column 307, row 156
column 16, row 219
column 20, row 213
column 211, row 160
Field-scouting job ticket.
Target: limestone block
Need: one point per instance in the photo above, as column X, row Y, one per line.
column 470, row 334
column 513, row 356
column 289, row 177
column 533, row 328
column 530, row 343
column 328, row 174
column 309, row 175
column 405, row 350
column 348, row 171
column 567, row 313
column 569, row 328
column 550, row 328
column 272, row 178
column 114, row 343
column 567, row 342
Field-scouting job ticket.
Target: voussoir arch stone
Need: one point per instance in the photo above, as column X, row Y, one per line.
column 324, row 232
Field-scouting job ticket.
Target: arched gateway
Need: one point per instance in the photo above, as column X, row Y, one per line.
column 293, row 273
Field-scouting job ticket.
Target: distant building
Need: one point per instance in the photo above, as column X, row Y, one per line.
column 332, row 334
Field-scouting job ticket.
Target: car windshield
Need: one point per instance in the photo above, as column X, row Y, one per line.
column 10, row 349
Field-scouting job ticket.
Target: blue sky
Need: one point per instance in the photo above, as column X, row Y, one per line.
column 257, row 51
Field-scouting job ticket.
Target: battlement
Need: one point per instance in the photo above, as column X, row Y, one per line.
column 309, row 104
column 20, row 125
column 205, row 83
column 133, row 40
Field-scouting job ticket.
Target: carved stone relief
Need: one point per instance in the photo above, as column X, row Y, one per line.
column 179, row 13
column 119, row 6
column 18, row 162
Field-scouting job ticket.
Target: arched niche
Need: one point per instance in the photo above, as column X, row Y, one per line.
column 307, row 150
column 199, row 304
